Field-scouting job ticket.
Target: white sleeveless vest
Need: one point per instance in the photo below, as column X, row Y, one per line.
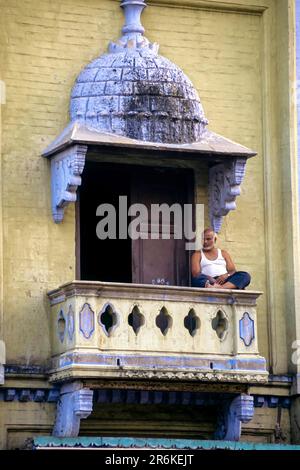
column 215, row 267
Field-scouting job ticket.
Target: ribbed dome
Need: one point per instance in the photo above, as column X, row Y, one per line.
column 135, row 92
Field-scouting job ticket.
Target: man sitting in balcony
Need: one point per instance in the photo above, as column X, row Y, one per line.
column 214, row 268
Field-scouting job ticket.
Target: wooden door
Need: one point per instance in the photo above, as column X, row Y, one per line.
column 160, row 261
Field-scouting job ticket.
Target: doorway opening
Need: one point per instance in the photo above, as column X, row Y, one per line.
column 145, row 261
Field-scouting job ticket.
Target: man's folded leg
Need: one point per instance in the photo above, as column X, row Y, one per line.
column 200, row 281
column 240, row 279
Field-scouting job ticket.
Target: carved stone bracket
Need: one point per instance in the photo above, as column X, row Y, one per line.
column 66, row 168
column 224, row 186
column 74, row 404
column 231, row 414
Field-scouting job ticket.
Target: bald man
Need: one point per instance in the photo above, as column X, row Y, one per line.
column 214, row 268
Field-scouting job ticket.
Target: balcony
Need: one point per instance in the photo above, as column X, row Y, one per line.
column 157, row 332
column 154, row 337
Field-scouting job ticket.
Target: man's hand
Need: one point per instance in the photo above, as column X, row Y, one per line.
column 212, row 280
column 222, row 279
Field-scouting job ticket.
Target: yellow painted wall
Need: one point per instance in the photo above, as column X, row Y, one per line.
column 21, row 421
column 236, row 56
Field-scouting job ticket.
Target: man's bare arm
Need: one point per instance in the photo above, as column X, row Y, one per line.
column 229, row 263
column 196, row 267
column 195, row 262
column 230, row 267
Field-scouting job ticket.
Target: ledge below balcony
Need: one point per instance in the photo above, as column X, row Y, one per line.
column 132, row 331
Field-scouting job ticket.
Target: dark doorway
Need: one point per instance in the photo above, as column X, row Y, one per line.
column 103, row 260
column 145, row 261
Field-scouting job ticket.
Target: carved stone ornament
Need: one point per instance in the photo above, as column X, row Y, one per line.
column 74, row 404
column 246, row 329
column 66, row 168
column 193, row 375
column 70, row 323
column 232, row 413
column 61, row 326
column 133, row 31
column 86, row 321
column 224, row 186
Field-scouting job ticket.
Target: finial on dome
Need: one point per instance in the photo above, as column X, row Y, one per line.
column 133, row 32
column 132, row 12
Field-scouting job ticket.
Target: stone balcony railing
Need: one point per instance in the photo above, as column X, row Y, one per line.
column 128, row 331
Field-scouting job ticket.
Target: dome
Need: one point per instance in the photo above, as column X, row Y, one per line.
column 134, row 92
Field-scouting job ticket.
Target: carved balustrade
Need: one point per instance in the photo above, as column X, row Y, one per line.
column 114, row 330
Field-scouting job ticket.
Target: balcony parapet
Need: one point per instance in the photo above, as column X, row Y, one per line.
column 157, row 332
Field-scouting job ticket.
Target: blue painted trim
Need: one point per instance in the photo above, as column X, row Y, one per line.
column 29, row 394
column 142, row 397
column 130, row 442
column 288, row 379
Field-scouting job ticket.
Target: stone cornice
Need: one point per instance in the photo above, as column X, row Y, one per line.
column 152, row 292
column 80, row 373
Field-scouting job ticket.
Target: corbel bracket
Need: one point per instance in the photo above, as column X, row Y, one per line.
column 66, row 169
column 232, row 413
column 224, row 186
column 74, row 404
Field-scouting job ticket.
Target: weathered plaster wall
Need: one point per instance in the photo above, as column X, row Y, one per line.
column 21, row 421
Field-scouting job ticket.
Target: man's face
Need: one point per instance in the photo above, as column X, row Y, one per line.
column 208, row 241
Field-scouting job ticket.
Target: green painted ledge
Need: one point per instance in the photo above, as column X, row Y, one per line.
column 47, row 442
